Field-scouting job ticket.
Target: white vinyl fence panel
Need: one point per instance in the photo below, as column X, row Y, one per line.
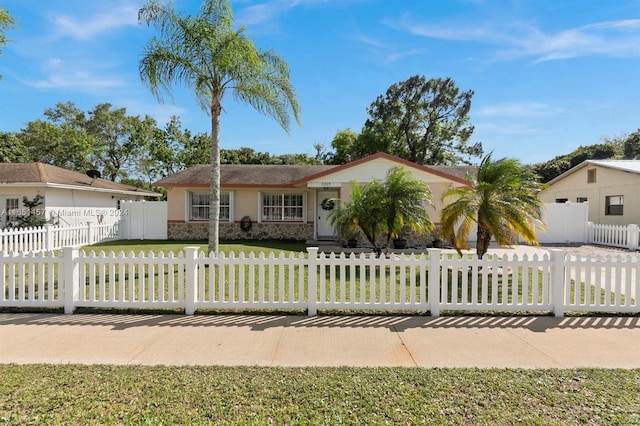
column 438, row 281
column 31, row 280
column 131, row 281
column 49, row 237
column 623, row 236
column 500, row 284
column 144, row 220
column 604, row 284
column 565, row 223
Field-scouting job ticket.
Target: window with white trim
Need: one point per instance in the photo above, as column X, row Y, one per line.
column 283, row 206
column 200, row 206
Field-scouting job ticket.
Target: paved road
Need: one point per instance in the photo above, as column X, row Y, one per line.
column 276, row 340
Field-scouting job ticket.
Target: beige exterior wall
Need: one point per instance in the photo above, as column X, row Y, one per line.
column 609, row 182
column 437, row 184
column 176, row 204
column 437, row 189
column 246, row 202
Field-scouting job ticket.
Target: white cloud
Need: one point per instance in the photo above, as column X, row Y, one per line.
column 519, row 39
column 82, row 81
column 401, row 55
column 63, row 75
column 259, row 13
column 268, row 11
column 519, row 109
column 365, row 39
column 119, row 15
column 508, row 129
column 162, row 113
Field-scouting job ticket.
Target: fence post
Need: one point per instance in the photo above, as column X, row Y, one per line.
column 48, row 237
column 434, row 281
column 191, row 274
column 632, row 240
column 71, row 278
column 312, row 290
column 89, row 233
column 590, row 232
column 558, row 284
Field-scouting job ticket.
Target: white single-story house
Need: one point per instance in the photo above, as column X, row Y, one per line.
column 284, row 201
column 611, row 187
column 69, row 197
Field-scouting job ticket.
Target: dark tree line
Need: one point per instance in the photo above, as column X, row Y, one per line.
column 123, row 147
column 626, row 147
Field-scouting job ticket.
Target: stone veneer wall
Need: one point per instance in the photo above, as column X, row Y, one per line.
column 232, row 231
column 414, row 239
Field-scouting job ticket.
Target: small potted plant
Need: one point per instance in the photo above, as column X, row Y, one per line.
column 399, row 243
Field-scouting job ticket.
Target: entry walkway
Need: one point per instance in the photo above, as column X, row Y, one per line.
column 300, row 341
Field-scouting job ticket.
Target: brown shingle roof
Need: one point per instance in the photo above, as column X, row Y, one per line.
column 457, row 171
column 243, row 175
column 259, row 175
column 40, row 173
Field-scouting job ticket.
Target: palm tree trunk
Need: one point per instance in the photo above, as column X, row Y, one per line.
column 484, row 238
column 214, row 187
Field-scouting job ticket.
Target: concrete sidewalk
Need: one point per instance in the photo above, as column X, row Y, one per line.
column 278, row 340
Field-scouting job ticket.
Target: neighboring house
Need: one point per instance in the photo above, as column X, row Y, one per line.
column 69, row 197
column 611, row 187
column 284, row 201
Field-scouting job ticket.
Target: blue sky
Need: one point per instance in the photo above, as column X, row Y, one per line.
column 548, row 76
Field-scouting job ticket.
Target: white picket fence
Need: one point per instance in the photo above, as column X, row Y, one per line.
column 623, row 236
column 436, row 281
column 49, row 237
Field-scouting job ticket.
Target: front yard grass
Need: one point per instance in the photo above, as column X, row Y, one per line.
column 99, row 394
column 226, row 247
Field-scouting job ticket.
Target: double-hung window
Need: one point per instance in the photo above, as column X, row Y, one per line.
column 614, row 205
column 12, row 208
column 282, row 207
column 200, row 206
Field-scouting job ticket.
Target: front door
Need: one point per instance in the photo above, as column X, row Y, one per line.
column 324, row 208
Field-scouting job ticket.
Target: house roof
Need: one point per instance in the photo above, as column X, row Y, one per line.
column 243, row 175
column 628, row 166
column 454, row 173
column 40, row 174
column 252, row 175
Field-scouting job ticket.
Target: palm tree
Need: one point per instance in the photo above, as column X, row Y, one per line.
column 502, row 201
column 205, row 53
column 404, row 204
column 362, row 212
column 386, row 206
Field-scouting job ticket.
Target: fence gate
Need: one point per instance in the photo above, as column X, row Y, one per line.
column 145, row 220
column 566, row 223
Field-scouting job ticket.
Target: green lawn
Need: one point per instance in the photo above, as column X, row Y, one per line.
column 166, row 246
column 73, row 394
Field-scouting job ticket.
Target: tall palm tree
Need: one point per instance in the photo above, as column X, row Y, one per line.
column 502, row 201
column 205, row 53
